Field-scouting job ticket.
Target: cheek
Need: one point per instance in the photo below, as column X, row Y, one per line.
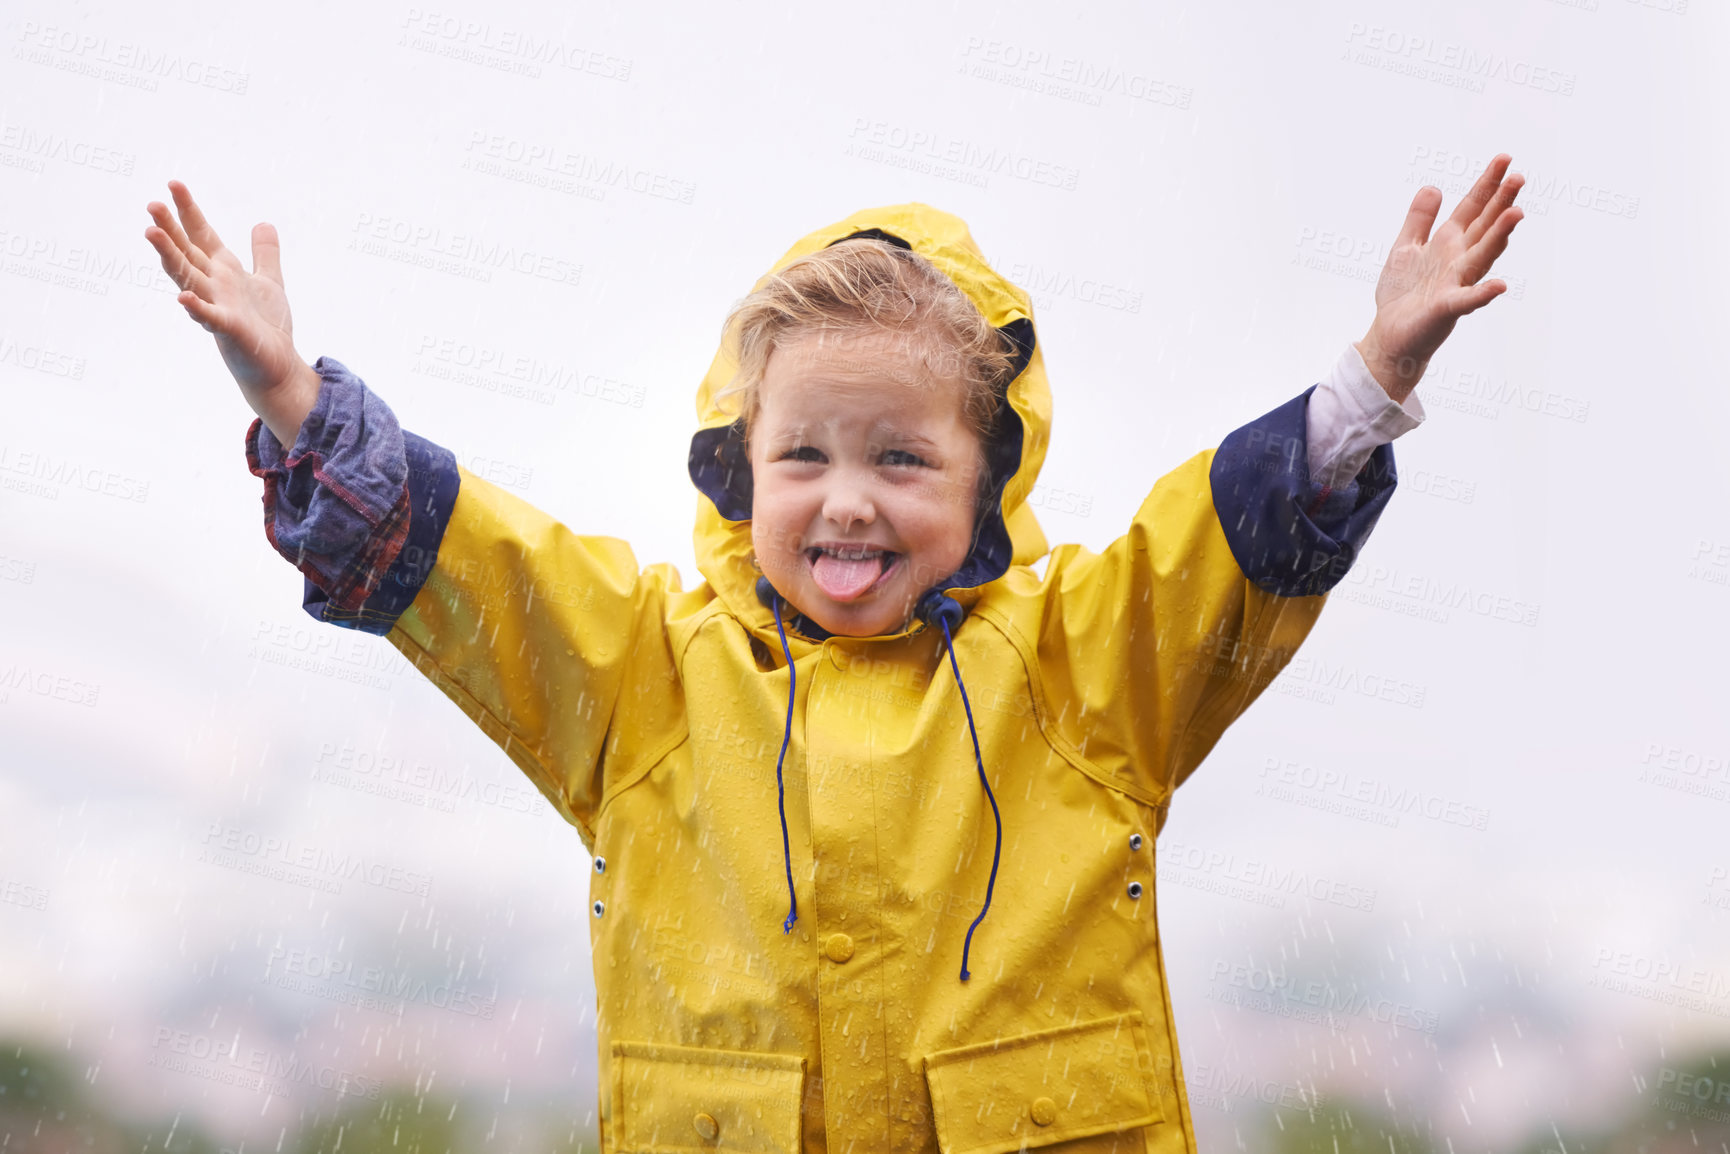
column 939, row 523
column 776, row 521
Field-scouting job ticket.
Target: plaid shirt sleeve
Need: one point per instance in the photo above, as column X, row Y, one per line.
column 337, row 502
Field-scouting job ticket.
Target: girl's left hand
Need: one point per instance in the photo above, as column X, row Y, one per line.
column 1430, row 282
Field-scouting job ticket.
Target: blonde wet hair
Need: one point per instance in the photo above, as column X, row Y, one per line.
column 868, row 288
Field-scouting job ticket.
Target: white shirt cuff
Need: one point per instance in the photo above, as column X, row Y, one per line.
column 1350, row 414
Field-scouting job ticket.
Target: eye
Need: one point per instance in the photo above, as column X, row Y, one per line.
column 903, row 457
column 802, row 453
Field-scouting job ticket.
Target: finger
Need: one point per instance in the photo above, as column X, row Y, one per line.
column 267, row 253
column 175, row 263
column 1419, row 218
column 1470, row 300
column 1474, row 201
column 166, row 222
column 1503, row 200
column 1494, row 243
column 215, row 319
column 196, row 226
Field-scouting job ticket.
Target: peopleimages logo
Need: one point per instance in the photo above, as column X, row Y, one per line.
column 32, row 147
column 1284, row 989
column 1661, row 979
column 1699, row 1096
column 1224, row 1088
column 19, row 894
column 1050, row 284
column 323, row 975
column 44, row 471
column 40, row 359
column 880, row 139
column 463, row 254
column 1695, row 1086
column 1067, row 77
column 251, row 852
column 1375, row 793
column 1254, row 880
column 1460, row 65
column 549, row 159
column 121, row 61
column 416, row 782
column 252, row 1068
column 507, row 48
column 500, row 369
column 46, row 683
column 1456, row 172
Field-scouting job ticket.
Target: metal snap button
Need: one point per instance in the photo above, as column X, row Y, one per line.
column 600, row 908
column 600, row 865
column 1134, row 841
column 706, row 1126
column 1135, row 889
column 838, row 947
column 1044, row 1111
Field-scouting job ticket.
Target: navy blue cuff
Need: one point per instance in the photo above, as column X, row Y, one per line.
column 1289, row 537
column 432, row 492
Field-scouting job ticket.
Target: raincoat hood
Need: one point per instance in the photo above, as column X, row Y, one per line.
column 1007, row 532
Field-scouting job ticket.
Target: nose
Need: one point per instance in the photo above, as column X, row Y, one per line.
column 848, row 500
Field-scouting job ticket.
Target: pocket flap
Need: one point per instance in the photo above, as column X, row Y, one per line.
column 684, row 1100
column 1040, row 1088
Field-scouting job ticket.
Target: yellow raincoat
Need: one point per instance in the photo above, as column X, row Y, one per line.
column 651, row 718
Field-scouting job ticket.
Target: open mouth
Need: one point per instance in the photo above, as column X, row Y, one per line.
column 847, row 573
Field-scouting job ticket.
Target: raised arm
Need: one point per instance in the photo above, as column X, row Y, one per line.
column 553, row 643
column 1174, row 629
column 1163, row 638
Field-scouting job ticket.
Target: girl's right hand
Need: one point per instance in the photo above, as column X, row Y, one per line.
column 247, row 312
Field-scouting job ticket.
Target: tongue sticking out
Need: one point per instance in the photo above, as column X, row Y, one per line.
column 844, row 580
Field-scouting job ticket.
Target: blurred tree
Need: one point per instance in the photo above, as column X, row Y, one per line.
column 47, row 1106
column 1681, row 1108
column 1341, row 1127
column 400, row 1121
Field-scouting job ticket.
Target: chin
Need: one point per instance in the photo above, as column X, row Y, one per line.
column 864, row 622
column 871, row 618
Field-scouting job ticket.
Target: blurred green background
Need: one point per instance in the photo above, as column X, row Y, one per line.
column 49, row 1106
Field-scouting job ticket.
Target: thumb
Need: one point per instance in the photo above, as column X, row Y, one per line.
column 1471, row 299
column 266, row 253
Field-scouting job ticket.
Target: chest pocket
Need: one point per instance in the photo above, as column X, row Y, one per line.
column 680, row 1100
column 1049, row 1087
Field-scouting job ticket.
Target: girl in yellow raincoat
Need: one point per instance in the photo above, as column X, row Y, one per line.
column 873, row 807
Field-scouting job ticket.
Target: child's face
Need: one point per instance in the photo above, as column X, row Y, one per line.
column 864, row 474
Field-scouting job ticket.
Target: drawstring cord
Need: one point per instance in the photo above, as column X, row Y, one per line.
column 780, row 785
column 941, row 609
column 979, row 761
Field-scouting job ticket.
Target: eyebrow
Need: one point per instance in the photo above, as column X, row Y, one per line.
column 907, row 437
column 882, row 431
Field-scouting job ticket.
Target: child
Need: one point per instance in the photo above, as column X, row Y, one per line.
column 873, row 807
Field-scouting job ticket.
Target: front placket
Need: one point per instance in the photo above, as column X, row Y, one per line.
column 845, row 889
